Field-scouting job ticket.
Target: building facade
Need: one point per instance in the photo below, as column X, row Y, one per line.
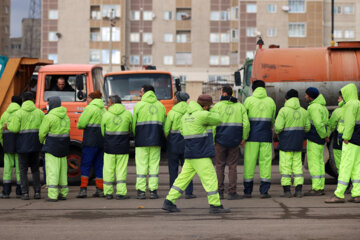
column 4, row 27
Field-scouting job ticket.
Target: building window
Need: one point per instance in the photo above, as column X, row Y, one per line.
column 214, row 60
column 224, row 60
column 271, row 32
column 106, row 56
column 250, row 54
column 134, row 60
column 107, row 10
column 6, row 29
column 251, row 32
column 147, row 38
column 53, row 57
column 224, row 37
column 251, row 8
column 234, row 35
column 168, row 37
column 337, row 34
column 52, row 37
column 95, row 35
column 134, row 37
column 214, row 16
column 147, row 59
column 183, row 36
column 167, row 15
column 94, row 56
column 234, row 13
column 297, row 6
column 271, row 8
column 135, row 15
column 6, row 10
column 183, row 14
column 168, row 60
column 147, row 16
column 105, row 34
column 214, row 37
column 348, row 10
column 349, row 33
column 225, row 15
column 337, row 9
column 183, row 59
column 95, row 12
column 297, row 30
column 53, row 14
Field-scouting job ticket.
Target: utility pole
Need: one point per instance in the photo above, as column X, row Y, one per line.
column 112, row 24
column 332, row 23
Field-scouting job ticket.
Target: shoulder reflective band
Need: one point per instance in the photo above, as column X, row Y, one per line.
column 121, row 181
column 108, row 183
column 212, row 193
column 265, row 180
column 149, row 122
column 140, row 176
column 196, row 136
column 343, row 183
column 230, row 125
column 117, row 133
column 177, row 189
column 174, row 131
column 261, row 119
column 293, row 128
column 29, row 131
column 58, row 135
column 93, row 125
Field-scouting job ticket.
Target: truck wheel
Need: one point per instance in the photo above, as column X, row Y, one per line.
column 74, row 161
column 330, row 166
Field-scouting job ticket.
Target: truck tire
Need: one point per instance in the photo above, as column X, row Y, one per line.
column 330, row 166
column 74, row 161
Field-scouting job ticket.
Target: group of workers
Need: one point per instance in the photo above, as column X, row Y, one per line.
column 195, row 132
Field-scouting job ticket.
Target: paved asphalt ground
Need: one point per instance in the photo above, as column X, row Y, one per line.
column 92, row 218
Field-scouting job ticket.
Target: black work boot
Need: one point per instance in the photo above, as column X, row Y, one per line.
column 298, row 191
column 287, row 192
column 109, row 196
column 154, row 195
column 122, row 197
column 218, row 209
column 37, row 195
column 6, row 190
column 18, row 191
column 82, row 193
column 98, row 193
column 140, row 195
column 234, row 196
column 25, row 196
column 169, row 206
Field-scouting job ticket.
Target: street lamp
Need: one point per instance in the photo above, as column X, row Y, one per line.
column 112, row 21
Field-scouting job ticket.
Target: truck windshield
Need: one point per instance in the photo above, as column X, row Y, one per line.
column 128, row 86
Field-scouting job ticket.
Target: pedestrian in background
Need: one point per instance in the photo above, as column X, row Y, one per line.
column 26, row 122
column 116, row 129
column 8, row 142
column 199, row 149
column 55, row 135
column 148, row 118
column 291, row 124
column 233, row 130
column 318, row 116
column 175, row 141
column 261, row 111
column 92, row 146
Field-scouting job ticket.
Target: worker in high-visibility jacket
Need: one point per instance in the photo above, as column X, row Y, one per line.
column 199, row 149
column 261, row 111
column 54, row 133
column 316, row 138
column 233, row 130
column 116, row 129
column 26, row 122
column 148, row 119
column 350, row 161
column 8, row 141
column 92, row 146
column 291, row 124
column 334, row 125
column 175, row 141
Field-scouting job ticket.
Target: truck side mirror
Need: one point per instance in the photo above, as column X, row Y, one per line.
column 177, row 85
column 79, row 82
column 237, row 76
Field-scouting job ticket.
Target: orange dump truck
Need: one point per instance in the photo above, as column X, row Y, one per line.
column 81, row 80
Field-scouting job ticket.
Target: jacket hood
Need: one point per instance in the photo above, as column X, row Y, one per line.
column 97, row 102
column 13, row 107
column 28, row 106
column 180, row 107
column 293, row 103
column 320, row 100
column 260, row 92
column 116, row 109
column 341, row 104
column 60, row 112
column 194, row 107
column 149, row 97
column 349, row 92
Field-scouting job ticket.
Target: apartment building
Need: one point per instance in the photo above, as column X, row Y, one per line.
column 4, row 27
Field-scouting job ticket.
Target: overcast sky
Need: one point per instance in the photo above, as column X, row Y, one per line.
column 19, row 10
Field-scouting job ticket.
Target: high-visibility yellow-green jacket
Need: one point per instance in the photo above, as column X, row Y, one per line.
column 318, row 116
column 351, row 114
column 7, row 138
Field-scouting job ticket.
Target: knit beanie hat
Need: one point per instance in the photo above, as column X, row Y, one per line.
column 258, row 83
column 291, row 93
column 182, row 96
column 312, row 92
column 16, row 99
column 205, row 100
